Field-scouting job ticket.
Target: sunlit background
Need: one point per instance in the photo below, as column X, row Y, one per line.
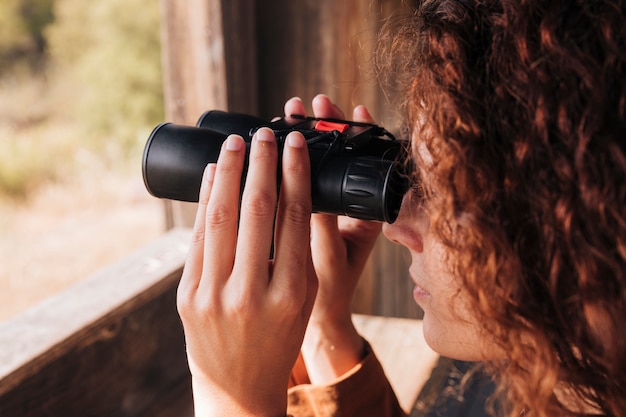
column 80, row 90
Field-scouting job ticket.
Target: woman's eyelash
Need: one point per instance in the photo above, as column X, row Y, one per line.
column 417, row 189
column 417, row 196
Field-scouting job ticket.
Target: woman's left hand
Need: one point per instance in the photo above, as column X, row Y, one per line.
column 340, row 247
column 244, row 316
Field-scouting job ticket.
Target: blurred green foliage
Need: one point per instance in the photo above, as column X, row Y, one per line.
column 22, row 42
column 75, row 77
column 110, row 49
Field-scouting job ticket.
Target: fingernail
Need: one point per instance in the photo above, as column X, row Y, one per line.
column 295, row 140
column 234, row 143
column 264, row 134
column 361, row 108
column 209, row 172
column 322, row 97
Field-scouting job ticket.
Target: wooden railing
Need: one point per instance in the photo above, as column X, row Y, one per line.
column 112, row 345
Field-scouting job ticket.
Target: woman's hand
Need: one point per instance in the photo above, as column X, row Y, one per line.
column 340, row 248
column 244, row 316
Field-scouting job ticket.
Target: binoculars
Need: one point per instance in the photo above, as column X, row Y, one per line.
column 357, row 169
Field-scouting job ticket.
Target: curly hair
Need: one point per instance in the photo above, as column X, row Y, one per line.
column 521, row 105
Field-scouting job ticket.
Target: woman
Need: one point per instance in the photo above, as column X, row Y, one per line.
column 516, row 224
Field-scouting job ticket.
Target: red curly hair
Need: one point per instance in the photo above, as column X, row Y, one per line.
column 522, row 107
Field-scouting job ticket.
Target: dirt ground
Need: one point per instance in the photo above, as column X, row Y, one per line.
column 68, row 231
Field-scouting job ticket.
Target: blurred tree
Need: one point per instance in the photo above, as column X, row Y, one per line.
column 22, row 42
column 79, row 81
column 106, row 54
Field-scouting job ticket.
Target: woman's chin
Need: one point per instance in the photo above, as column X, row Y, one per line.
column 453, row 340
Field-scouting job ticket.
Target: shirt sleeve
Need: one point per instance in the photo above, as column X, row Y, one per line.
column 363, row 391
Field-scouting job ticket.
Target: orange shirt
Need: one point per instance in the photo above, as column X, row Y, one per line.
column 363, row 391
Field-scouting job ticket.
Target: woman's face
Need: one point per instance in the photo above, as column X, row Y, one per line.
column 449, row 327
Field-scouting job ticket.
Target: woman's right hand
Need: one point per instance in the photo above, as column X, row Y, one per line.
column 245, row 316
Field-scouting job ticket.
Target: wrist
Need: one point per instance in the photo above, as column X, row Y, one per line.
column 330, row 349
column 210, row 401
column 331, row 334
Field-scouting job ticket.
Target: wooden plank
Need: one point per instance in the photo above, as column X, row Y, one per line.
column 400, row 346
column 209, row 53
column 110, row 345
column 321, row 46
column 209, row 61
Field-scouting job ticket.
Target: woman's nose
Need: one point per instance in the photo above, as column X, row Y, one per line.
column 409, row 228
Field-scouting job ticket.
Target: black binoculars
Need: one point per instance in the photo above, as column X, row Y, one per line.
column 356, row 168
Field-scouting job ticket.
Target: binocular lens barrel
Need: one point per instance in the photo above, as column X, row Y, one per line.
column 365, row 186
column 174, row 160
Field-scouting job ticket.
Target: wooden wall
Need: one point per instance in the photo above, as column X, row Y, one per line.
column 249, row 56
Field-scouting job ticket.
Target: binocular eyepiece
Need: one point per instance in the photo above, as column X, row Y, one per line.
column 356, row 168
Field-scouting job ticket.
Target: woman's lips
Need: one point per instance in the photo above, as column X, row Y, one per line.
column 419, row 293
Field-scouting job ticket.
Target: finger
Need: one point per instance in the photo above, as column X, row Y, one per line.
column 222, row 213
column 324, row 107
column 295, row 106
column 195, row 256
column 203, row 200
column 330, row 231
column 360, row 236
column 312, row 285
column 361, row 114
column 341, row 234
column 325, row 234
column 258, row 209
column 293, row 224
